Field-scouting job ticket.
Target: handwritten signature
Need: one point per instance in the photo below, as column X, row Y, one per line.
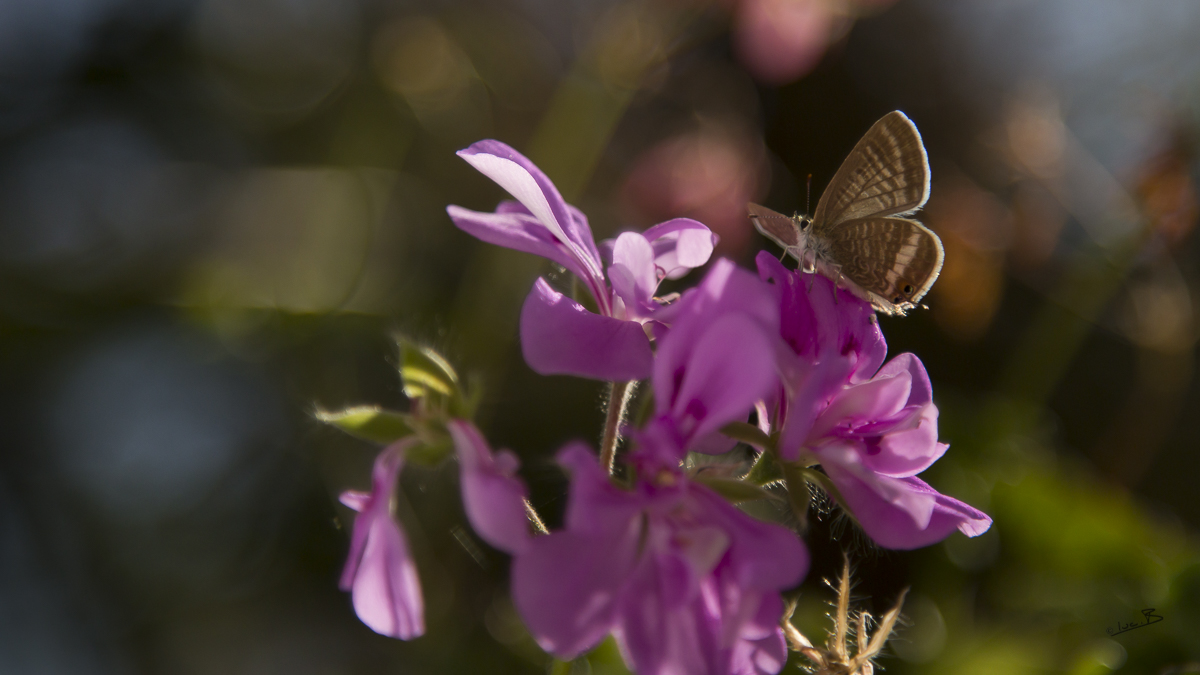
column 1147, row 614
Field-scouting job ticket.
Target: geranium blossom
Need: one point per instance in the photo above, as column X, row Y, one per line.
column 558, row 335
column 380, row 573
column 493, row 497
column 685, row 581
column 872, row 428
column 719, row 358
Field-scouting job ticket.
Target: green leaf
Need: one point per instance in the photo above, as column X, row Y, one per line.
column 796, row 477
column 748, row 434
column 424, row 372
column 766, row 470
column 734, row 490
column 369, row 423
column 813, row 476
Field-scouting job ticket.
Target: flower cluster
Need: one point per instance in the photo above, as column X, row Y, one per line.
column 656, row 555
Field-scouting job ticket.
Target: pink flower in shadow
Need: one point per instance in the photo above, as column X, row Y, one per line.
column 685, row 581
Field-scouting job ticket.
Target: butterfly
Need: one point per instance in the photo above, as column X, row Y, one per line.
column 854, row 237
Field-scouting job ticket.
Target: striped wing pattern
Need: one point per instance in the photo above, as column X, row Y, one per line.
column 895, row 259
column 886, row 174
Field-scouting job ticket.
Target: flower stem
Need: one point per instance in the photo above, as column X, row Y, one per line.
column 619, row 394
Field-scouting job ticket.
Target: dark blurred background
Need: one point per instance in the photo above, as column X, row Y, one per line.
column 214, row 214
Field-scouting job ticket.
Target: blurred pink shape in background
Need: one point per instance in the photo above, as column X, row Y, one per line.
column 708, row 174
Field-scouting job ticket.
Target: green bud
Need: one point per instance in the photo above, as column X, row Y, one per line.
column 369, row 423
column 425, row 373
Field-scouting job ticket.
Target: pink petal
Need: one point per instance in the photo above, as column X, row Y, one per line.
column 632, row 274
column 729, row 368
column 566, row 585
column 379, row 571
column 680, row 245
column 904, row 513
column 762, row 556
column 386, row 591
column 592, row 492
column 922, row 391
column 761, row 648
column 809, row 395
column 525, row 181
column 658, row 631
column 875, row 399
column 354, row 499
column 819, row 325
column 560, row 337
column 900, row 442
column 908, row 449
column 724, row 290
column 519, row 231
column 715, row 443
column 493, row 497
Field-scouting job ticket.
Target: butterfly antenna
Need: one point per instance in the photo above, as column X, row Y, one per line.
column 808, row 197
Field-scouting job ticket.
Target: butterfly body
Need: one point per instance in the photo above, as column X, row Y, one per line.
column 855, row 237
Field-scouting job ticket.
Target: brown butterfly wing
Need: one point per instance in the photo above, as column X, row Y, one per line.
column 893, row 259
column 886, row 174
column 775, row 226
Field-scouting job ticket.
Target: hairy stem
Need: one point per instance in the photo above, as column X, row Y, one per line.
column 619, row 394
column 535, row 519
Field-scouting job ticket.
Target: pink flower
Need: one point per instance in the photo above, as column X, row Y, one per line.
column 686, row 582
column 493, row 497
column 718, row 359
column 872, row 428
column 559, row 336
column 380, row 573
